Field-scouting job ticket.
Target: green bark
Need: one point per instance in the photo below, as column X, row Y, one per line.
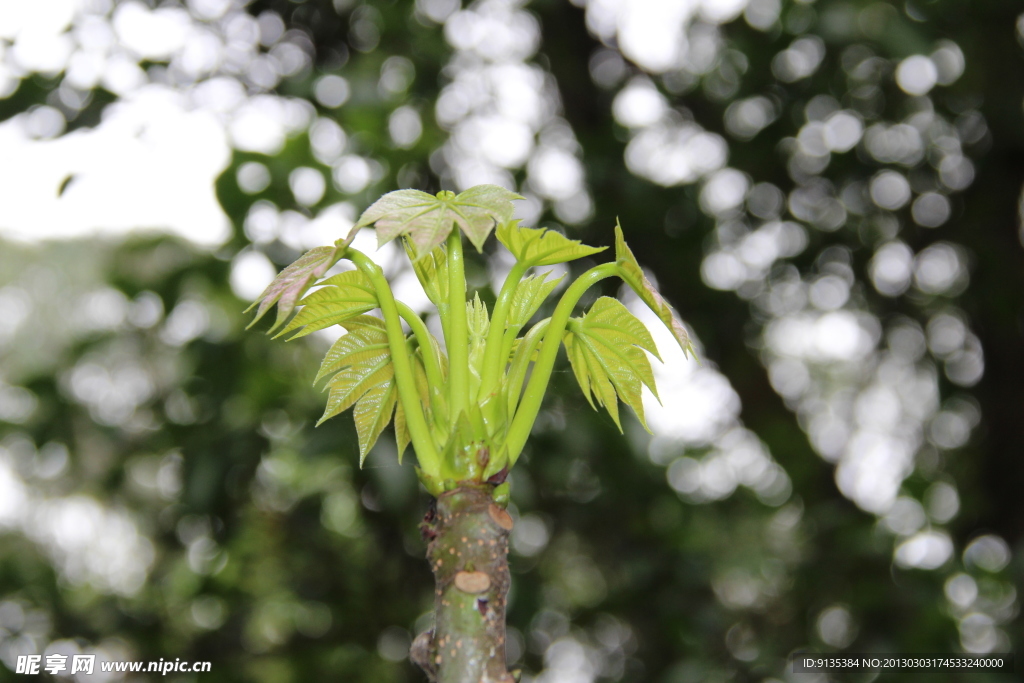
column 468, row 553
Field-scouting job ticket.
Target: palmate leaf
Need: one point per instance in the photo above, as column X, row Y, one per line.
column 373, row 413
column 363, row 376
column 539, row 247
column 428, row 219
column 292, row 282
column 343, row 296
column 633, row 276
column 604, row 349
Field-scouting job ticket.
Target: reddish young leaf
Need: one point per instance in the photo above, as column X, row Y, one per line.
column 292, row 282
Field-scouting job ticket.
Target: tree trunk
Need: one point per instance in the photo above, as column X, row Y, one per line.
column 468, row 553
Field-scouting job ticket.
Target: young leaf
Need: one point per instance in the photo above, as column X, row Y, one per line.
column 428, row 219
column 365, row 340
column 478, row 324
column 432, row 272
column 343, row 296
column 633, row 276
column 481, row 208
column 292, row 282
column 531, row 293
column 360, row 359
column 539, row 247
column 604, row 349
column 364, row 377
column 373, row 413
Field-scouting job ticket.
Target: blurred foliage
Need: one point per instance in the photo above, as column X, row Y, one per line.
column 133, row 400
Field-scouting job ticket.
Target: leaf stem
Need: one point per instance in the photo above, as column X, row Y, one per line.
column 419, row 432
column 530, row 404
column 521, row 363
column 458, row 330
column 493, row 363
column 430, row 362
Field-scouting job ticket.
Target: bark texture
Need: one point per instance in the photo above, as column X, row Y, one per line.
column 468, row 553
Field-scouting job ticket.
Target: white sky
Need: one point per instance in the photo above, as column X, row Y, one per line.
column 152, row 161
column 151, row 164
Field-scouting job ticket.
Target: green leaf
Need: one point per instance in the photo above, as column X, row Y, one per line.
column 428, row 219
column 477, row 318
column 360, row 359
column 604, row 349
column 539, row 247
column 531, row 293
column 633, row 276
column 364, row 377
column 343, row 296
column 529, row 296
column 432, row 272
column 366, row 338
column 372, row 414
column 481, row 208
column 478, row 323
column 292, row 282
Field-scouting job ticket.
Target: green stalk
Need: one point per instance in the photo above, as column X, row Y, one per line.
column 509, row 340
column 521, row 363
column 430, row 363
column 419, row 432
column 529, row 406
column 494, row 363
column 432, row 367
column 458, row 330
